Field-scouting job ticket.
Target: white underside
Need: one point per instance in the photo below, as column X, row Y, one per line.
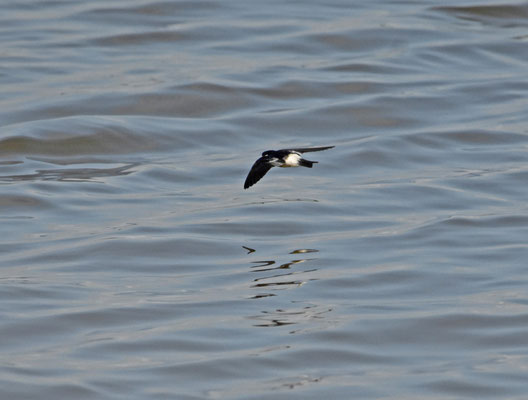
column 292, row 160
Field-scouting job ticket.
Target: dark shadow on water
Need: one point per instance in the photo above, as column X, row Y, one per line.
column 282, row 271
column 249, row 249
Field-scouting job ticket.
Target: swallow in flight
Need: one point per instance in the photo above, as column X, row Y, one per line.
column 280, row 158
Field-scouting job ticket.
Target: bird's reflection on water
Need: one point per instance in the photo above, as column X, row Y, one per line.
column 274, row 277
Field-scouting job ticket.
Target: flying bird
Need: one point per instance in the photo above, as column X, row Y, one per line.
column 279, row 158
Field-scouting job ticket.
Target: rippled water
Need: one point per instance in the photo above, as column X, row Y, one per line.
column 135, row 266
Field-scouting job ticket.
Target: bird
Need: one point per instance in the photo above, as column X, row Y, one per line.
column 283, row 158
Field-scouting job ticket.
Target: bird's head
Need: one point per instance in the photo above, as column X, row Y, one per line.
column 268, row 154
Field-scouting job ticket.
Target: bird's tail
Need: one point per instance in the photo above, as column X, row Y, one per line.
column 306, row 163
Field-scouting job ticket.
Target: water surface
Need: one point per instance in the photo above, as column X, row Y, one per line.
column 134, row 265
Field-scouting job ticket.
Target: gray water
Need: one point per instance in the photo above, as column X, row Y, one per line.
column 133, row 264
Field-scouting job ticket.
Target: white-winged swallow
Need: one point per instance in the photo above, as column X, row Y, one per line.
column 279, row 158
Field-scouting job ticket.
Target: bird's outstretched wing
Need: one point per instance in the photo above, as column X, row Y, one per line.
column 257, row 171
column 308, row 149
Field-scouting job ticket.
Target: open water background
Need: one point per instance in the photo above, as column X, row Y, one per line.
column 133, row 265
